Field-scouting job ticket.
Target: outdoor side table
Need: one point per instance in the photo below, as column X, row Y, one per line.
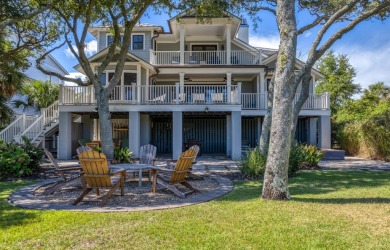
column 131, row 168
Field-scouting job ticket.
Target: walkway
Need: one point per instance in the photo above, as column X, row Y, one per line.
column 354, row 163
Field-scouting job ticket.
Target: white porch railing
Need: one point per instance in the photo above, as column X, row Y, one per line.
column 13, row 131
column 237, row 57
column 156, row 94
column 257, row 101
column 35, row 129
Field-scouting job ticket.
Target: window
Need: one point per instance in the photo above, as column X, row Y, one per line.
column 138, row 42
column 110, row 40
column 104, row 79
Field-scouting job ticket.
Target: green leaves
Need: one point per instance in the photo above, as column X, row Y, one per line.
column 39, row 94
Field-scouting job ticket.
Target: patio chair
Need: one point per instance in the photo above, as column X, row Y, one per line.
column 158, row 99
column 70, row 175
column 169, row 177
column 198, row 97
column 97, row 176
column 217, row 97
column 147, row 155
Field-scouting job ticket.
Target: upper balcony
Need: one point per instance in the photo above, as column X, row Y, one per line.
column 232, row 57
column 182, row 95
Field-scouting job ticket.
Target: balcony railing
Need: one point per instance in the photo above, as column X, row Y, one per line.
column 156, row 94
column 237, row 57
column 255, row 101
column 187, row 94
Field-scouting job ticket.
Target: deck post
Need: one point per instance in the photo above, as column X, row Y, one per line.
column 236, row 135
column 177, row 135
column 324, row 132
column 177, row 91
column 182, row 35
column 228, row 43
column 65, row 136
column 134, row 132
column 238, row 99
column 229, row 87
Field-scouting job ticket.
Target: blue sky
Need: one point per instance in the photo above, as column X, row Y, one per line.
column 368, row 45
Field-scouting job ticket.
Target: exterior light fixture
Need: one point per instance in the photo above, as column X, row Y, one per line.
column 96, row 109
column 206, row 109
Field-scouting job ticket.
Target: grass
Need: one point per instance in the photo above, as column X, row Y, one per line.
column 329, row 209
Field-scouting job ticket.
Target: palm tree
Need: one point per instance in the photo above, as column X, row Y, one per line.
column 38, row 95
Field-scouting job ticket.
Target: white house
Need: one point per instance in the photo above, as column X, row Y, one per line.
column 196, row 83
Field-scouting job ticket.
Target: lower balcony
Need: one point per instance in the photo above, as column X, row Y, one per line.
column 182, row 95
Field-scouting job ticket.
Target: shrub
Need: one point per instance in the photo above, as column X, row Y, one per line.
column 252, row 165
column 19, row 160
column 122, row 155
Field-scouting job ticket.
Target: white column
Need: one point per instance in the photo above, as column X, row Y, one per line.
column 229, row 86
column 236, row 135
column 134, row 132
column 324, row 132
column 146, row 97
column 145, row 130
column 182, row 35
column 139, row 72
column 65, row 136
column 228, row 43
column 87, row 127
column 177, row 135
column 262, row 82
column 228, row 135
column 181, row 74
column 312, row 131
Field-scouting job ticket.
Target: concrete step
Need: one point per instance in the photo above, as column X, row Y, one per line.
column 333, row 154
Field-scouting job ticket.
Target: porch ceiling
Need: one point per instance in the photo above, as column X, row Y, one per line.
column 205, row 78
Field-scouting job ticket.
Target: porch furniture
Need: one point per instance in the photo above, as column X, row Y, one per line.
column 70, row 174
column 158, row 99
column 92, row 145
column 175, row 59
column 82, row 149
column 176, row 175
column 97, row 176
column 147, row 155
column 133, row 168
column 182, row 98
column 198, row 97
column 82, row 142
column 217, row 97
column 193, row 59
column 189, row 174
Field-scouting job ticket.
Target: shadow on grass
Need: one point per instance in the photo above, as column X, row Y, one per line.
column 318, row 183
column 12, row 216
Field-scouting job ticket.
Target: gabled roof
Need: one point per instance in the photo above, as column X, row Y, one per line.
column 130, row 58
column 137, row 27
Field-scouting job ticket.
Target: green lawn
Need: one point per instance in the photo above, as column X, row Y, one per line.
column 329, row 209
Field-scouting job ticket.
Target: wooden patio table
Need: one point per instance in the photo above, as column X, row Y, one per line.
column 133, row 168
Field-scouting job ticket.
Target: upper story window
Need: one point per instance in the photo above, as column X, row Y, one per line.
column 137, row 41
column 110, row 40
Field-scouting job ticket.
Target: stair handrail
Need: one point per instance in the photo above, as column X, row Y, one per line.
column 9, row 132
column 48, row 115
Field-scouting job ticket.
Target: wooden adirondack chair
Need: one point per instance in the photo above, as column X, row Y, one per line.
column 189, row 174
column 67, row 179
column 97, row 176
column 147, row 155
column 176, row 175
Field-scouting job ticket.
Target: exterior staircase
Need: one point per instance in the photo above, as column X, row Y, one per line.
column 33, row 128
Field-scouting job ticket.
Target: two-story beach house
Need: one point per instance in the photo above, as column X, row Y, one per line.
column 196, row 83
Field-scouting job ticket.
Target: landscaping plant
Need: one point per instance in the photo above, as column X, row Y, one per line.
column 122, row 155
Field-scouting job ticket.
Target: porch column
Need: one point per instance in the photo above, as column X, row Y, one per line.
column 139, row 83
column 229, row 86
column 182, row 35
column 87, row 127
column 146, row 97
column 312, row 131
column 145, row 132
column 177, row 135
column 65, row 136
column 324, row 131
column 228, row 135
column 181, row 74
column 236, row 135
column 262, row 82
column 228, row 43
column 134, row 132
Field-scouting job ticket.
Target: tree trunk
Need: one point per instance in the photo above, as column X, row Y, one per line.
column 275, row 185
column 105, row 123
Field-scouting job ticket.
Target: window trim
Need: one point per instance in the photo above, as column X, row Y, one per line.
column 122, row 77
column 132, row 40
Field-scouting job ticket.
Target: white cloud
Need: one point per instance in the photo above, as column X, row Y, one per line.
column 74, row 75
column 90, row 49
column 372, row 63
column 270, row 42
column 307, row 34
